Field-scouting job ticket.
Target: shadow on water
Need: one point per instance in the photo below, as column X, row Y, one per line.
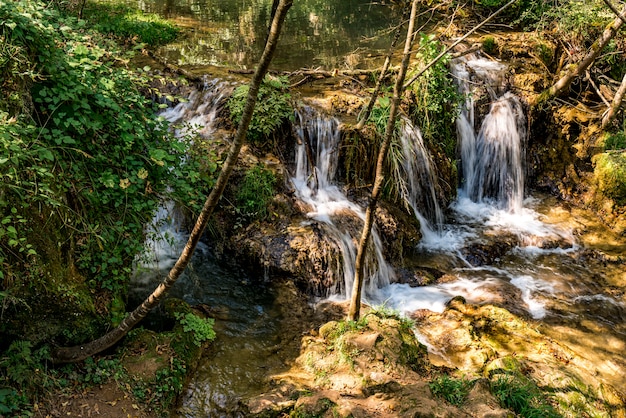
column 255, row 338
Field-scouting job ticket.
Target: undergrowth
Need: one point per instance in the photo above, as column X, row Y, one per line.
column 255, row 192
column 454, row 391
column 522, row 396
column 273, row 108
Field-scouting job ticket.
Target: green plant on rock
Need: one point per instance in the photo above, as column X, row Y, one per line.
column 255, row 192
column 522, row 396
column 454, row 391
column 201, row 328
column 616, row 141
column 490, row 46
column 437, row 100
column 272, row 110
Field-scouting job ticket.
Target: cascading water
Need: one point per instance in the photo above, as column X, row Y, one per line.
column 315, row 186
column 492, row 161
column 418, row 181
column 165, row 237
column 535, row 269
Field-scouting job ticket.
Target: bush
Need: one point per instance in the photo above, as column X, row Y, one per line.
column 256, row 192
column 273, row 108
column 84, row 160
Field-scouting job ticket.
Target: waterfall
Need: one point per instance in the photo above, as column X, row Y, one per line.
column 492, row 161
column 165, row 236
column 418, row 181
column 315, row 185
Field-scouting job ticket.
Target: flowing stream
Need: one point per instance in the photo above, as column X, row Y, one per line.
column 315, row 185
column 551, row 271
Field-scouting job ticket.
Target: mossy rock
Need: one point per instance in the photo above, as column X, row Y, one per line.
column 610, row 175
column 507, row 364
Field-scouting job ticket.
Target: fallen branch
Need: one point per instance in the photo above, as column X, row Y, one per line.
column 173, row 68
column 575, row 71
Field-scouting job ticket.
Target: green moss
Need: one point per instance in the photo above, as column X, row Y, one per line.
column 610, row 175
column 490, row 46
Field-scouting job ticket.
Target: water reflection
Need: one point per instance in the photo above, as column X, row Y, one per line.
column 341, row 34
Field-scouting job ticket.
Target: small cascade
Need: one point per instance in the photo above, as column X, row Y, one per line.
column 165, row 236
column 199, row 109
column 492, row 161
column 341, row 218
column 418, row 185
column 498, row 173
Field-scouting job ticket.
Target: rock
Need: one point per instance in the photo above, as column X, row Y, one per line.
column 365, row 341
column 483, row 404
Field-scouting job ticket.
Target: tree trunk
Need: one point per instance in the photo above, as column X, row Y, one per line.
column 615, row 104
column 357, row 287
column 383, row 72
column 597, row 47
column 79, row 353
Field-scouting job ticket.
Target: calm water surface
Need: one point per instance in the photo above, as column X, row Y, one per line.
column 317, row 33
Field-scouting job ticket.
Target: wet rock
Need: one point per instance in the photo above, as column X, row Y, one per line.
column 488, row 253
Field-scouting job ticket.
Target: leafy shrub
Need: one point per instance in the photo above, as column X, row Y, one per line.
column 256, row 192
column 437, row 99
column 273, row 108
column 454, row 391
column 202, row 328
column 90, row 154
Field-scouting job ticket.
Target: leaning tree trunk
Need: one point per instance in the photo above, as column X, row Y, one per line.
column 81, row 352
column 564, row 82
column 357, row 287
column 615, row 104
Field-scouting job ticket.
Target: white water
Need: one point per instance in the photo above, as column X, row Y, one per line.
column 490, row 203
column 418, row 182
column 314, row 184
column 165, row 236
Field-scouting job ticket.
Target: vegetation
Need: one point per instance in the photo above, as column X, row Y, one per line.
column 272, row 111
column 522, row 396
column 84, row 164
column 436, row 98
column 200, row 328
column 610, row 173
column 454, row 391
column 255, row 192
